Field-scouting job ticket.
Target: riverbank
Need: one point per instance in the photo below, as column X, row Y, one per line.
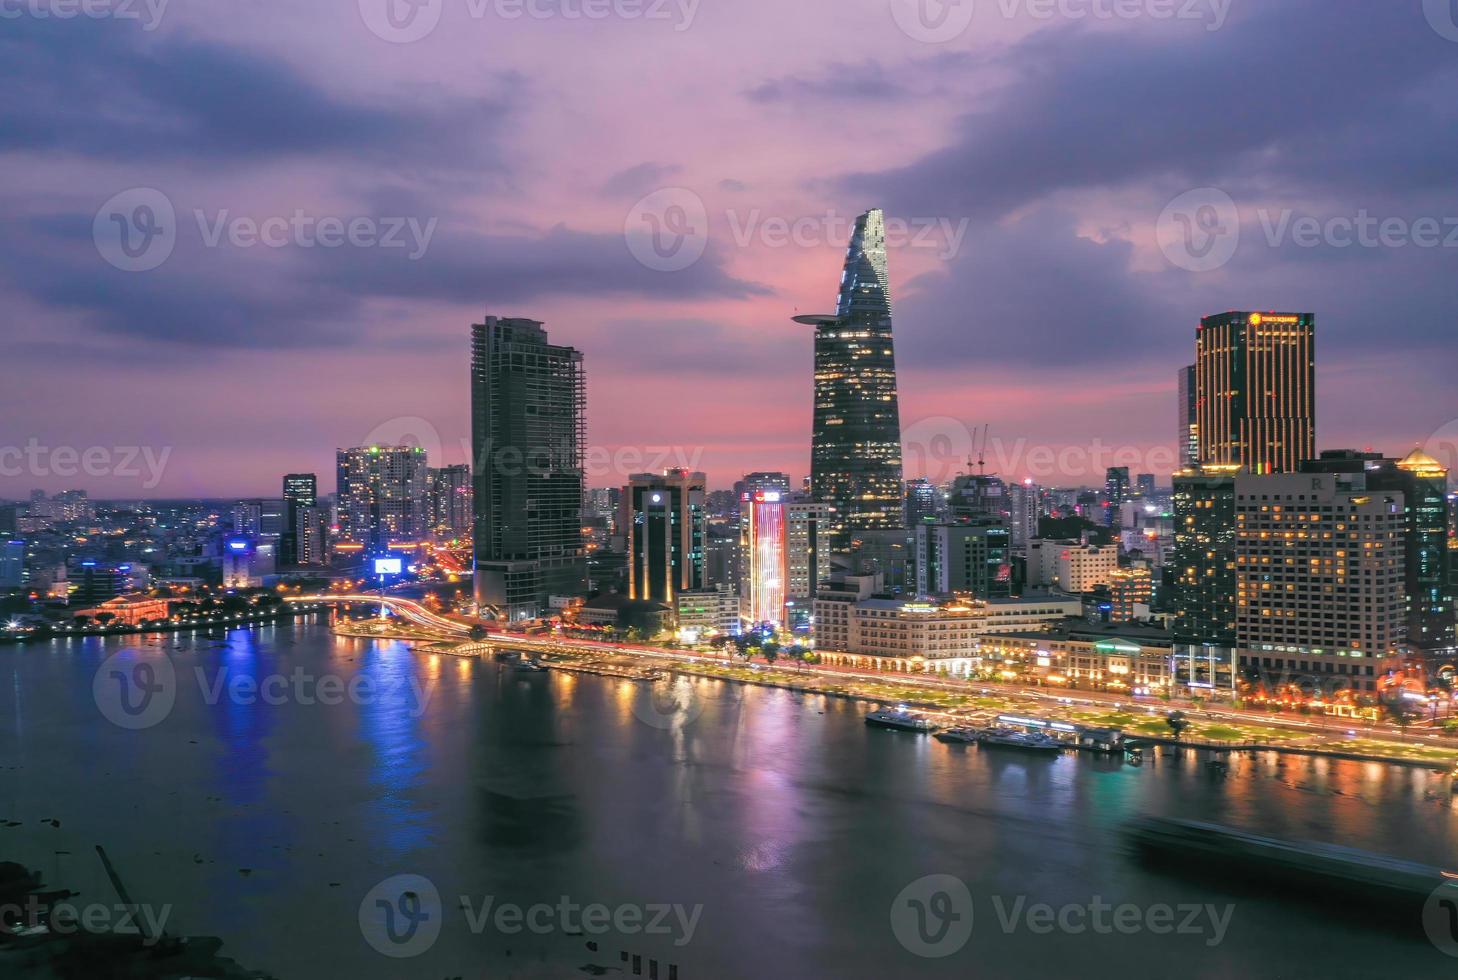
column 282, row 612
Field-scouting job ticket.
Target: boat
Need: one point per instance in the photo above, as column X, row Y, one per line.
column 899, row 719
column 530, row 666
column 958, row 735
column 1316, row 869
column 1011, row 738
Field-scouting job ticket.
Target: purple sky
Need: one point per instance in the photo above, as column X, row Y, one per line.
column 1043, row 285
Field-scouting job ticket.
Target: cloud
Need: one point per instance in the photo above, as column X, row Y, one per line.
column 639, row 180
column 86, row 88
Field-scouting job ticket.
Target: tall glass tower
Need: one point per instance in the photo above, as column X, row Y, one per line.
column 855, row 453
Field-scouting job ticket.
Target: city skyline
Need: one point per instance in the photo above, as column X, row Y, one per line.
column 1052, row 253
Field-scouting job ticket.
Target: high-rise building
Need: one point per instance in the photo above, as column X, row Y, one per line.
column 979, row 496
column 972, row 558
column 1144, row 486
column 528, row 415
column 807, row 547
column 767, row 482
column 762, row 549
column 1320, row 571
column 1188, row 427
column 924, row 502
column 311, row 536
column 300, row 490
column 1025, row 502
column 1131, row 592
column 247, row 517
column 450, row 502
column 665, row 523
column 382, row 498
column 1116, row 491
column 1202, row 575
column 12, row 563
column 1071, row 566
column 1423, row 483
column 855, row 454
column 1255, row 384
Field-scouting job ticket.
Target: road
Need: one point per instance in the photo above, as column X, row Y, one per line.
column 415, row 612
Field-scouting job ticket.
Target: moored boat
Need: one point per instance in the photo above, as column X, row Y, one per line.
column 1011, row 738
column 899, row 719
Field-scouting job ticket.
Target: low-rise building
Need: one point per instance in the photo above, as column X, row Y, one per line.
column 129, row 610
column 1125, row 657
column 709, row 611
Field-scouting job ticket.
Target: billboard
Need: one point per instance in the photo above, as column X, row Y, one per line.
column 388, row 566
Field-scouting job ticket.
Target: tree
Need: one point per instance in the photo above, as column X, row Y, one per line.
column 1177, row 723
column 105, row 619
column 771, row 651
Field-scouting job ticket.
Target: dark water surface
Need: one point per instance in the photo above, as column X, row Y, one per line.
column 793, row 826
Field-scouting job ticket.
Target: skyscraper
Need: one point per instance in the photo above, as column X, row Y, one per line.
column 1255, row 390
column 381, row 495
column 665, row 523
column 450, row 501
column 923, row 502
column 1188, row 429
column 300, row 490
column 1116, row 491
column 528, row 406
column 1203, row 572
column 855, row 455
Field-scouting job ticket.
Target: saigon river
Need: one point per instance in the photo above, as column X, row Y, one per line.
column 263, row 808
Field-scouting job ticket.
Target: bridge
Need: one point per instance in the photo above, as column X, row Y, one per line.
column 407, row 609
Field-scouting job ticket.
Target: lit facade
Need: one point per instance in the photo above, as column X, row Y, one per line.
column 1202, row 572
column 763, row 551
column 1320, row 577
column 1255, row 377
column 665, row 523
column 382, row 496
column 855, row 459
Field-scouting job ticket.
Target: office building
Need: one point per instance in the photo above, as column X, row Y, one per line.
column 382, row 498
column 979, row 496
column 963, row 559
column 450, row 502
column 1255, row 380
column 706, row 612
column 1116, row 491
column 855, row 458
column 763, row 555
column 1187, row 431
column 1144, row 487
column 1131, row 593
column 1071, row 566
column 768, row 482
column 300, row 490
column 665, row 523
column 808, row 529
column 92, row 582
column 247, row 518
column 1423, row 483
column 528, row 408
column 12, row 563
column 1025, row 506
column 924, row 503
column 1202, row 575
column 1320, row 578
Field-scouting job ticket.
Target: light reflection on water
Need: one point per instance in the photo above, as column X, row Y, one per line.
column 782, row 814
